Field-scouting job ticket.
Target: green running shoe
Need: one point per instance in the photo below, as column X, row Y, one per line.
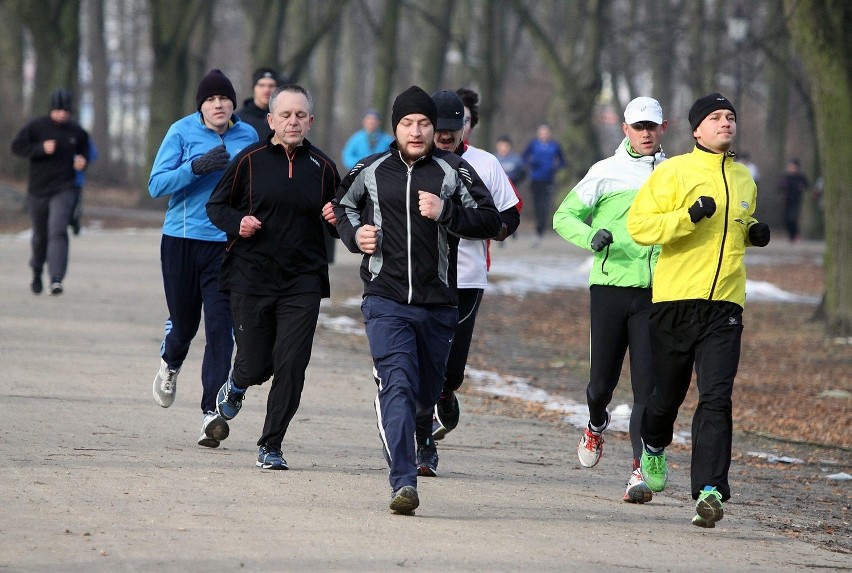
column 654, row 470
column 708, row 507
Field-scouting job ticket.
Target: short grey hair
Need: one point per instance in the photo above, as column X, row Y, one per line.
column 292, row 88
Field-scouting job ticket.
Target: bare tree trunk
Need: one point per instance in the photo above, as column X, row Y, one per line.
column 267, row 19
column 820, row 31
column 501, row 38
column 174, row 69
column 437, row 38
column 386, row 58
column 574, row 60
column 100, row 75
column 12, row 116
column 55, row 27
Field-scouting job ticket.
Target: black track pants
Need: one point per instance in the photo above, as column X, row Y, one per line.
column 619, row 319
column 706, row 335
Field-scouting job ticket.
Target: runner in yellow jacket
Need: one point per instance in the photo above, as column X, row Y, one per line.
column 699, row 207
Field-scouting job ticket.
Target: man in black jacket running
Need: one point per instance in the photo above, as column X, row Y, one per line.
column 269, row 202
column 405, row 209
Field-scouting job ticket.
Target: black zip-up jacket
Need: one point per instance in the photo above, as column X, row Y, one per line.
column 50, row 174
column 287, row 255
column 255, row 117
column 415, row 259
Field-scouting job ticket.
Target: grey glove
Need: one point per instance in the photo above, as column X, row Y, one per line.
column 214, row 160
column 704, row 207
column 601, row 239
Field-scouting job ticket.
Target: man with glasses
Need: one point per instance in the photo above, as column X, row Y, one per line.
column 620, row 280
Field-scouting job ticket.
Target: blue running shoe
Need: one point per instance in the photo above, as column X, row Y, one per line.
column 229, row 400
column 271, row 459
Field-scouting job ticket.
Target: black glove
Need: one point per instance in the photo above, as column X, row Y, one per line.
column 758, row 234
column 214, row 160
column 601, row 239
column 704, row 207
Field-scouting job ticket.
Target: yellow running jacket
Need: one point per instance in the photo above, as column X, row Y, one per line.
column 703, row 260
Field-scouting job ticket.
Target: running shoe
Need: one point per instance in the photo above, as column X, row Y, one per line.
column 427, row 459
column 447, row 413
column 404, row 500
column 590, row 446
column 214, row 429
column 637, row 490
column 165, row 384
column 229, row 400
column 653, row 467
column 708, row 508
column 269, row 458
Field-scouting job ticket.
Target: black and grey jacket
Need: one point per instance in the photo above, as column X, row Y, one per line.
column 415, row 262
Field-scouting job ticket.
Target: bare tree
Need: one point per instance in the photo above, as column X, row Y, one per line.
column 12, row 113
column 386, row 57
column 267, row 19
column 820, row 30
column 97, row 56
column 55, row 28
column 571, row 50
column 175, row 69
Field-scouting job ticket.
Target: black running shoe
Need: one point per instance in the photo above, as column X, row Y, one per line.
column 427, row 459
column 446, row 415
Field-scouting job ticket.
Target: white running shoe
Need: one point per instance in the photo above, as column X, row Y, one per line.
column 214, row 429
column 165, row 384
column 637, row 490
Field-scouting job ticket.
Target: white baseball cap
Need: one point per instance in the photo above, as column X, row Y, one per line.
column 643, row 108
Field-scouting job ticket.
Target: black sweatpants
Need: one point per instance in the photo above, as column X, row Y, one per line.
column 469, row 300
column 619, row 319
column 191, row 283
column 275, row 336
column 50, row 217
column 706, row 334
column 542, row 192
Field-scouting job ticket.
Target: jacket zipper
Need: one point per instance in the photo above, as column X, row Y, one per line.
column 724, row 230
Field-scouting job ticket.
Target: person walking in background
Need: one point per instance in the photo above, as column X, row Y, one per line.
column 80, row 181
column 256, row 108
column 404, row 209
column 57, row 147
column 366, row 141
column 543, row 157
column 620, row 280
column 512, row 163
column 189, row 163
column 270, row 204
column 793, row 185
column 458, row 114
column 700, row 208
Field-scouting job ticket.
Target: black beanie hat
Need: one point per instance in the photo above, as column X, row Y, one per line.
column 706, row 105
column 413, row 100
column 60, row 99
column 262, row 73
column 215, row 83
